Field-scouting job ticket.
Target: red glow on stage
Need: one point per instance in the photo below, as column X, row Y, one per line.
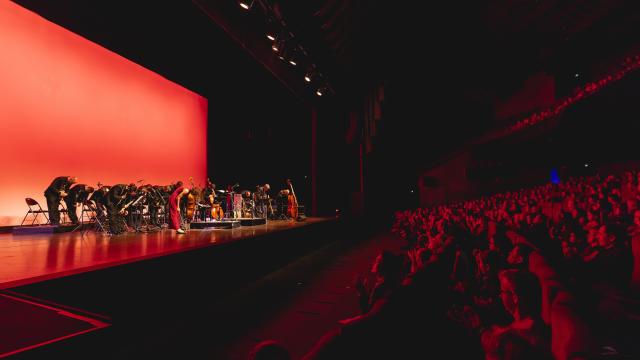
column 71, row 107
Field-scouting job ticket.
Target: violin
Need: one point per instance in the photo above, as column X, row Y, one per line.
column 292, row 202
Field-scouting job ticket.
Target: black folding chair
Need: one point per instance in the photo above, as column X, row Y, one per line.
column 64, row 213
column 35, row 211
column 97, row 220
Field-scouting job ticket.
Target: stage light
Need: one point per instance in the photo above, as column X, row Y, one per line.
column 292, row 56
column 271, row 29
column 286, row 51
column 320, row 91
column 310, row 74
column 278, row 45
column 246, row 4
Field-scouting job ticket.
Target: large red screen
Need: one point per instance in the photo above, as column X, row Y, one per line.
column 71, row 107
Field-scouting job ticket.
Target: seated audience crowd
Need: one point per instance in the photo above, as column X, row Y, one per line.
column 541, row 273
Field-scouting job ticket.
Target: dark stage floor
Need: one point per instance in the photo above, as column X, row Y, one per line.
column 28, row 259
column 28, row 324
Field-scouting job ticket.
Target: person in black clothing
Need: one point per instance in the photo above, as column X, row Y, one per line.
column 54, row 193
column 155, row 201
column 263, row 201
column 78, row 194
column 208, row 198
column 209, row 189
column 115, row 212
column 132, row 194
column 99, row 197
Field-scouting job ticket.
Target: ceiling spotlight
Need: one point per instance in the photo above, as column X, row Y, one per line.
column 310, row 74
column 292, row 57
column 279, row 44
column 271, row 29
column 320, row 92
column 246, row 4
column 285, row 51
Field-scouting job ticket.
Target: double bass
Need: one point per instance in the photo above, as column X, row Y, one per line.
column 191, row 202
column 216, row 209
column 292, row 202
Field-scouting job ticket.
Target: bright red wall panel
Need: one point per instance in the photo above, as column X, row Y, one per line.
column 71, row 107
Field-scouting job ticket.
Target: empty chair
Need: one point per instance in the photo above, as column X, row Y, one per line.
column 34, row 209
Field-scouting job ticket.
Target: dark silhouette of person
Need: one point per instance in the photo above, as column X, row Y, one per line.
column 77, row 194
column 54, row 193
column 115, row 208
column 99, row 197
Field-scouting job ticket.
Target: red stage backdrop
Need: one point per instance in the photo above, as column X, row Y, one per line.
column 71, row 107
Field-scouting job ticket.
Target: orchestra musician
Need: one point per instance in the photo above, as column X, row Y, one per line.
column 155, row 202
column 174, row 206
column 209, row 195
column 234, row 209
column 99, row 197
column 132, row 195
column 54, row 193
column 115, row 204
column 78, row 194
column 262, row 200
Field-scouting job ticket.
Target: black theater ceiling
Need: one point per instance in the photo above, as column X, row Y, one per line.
column 485, row 46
